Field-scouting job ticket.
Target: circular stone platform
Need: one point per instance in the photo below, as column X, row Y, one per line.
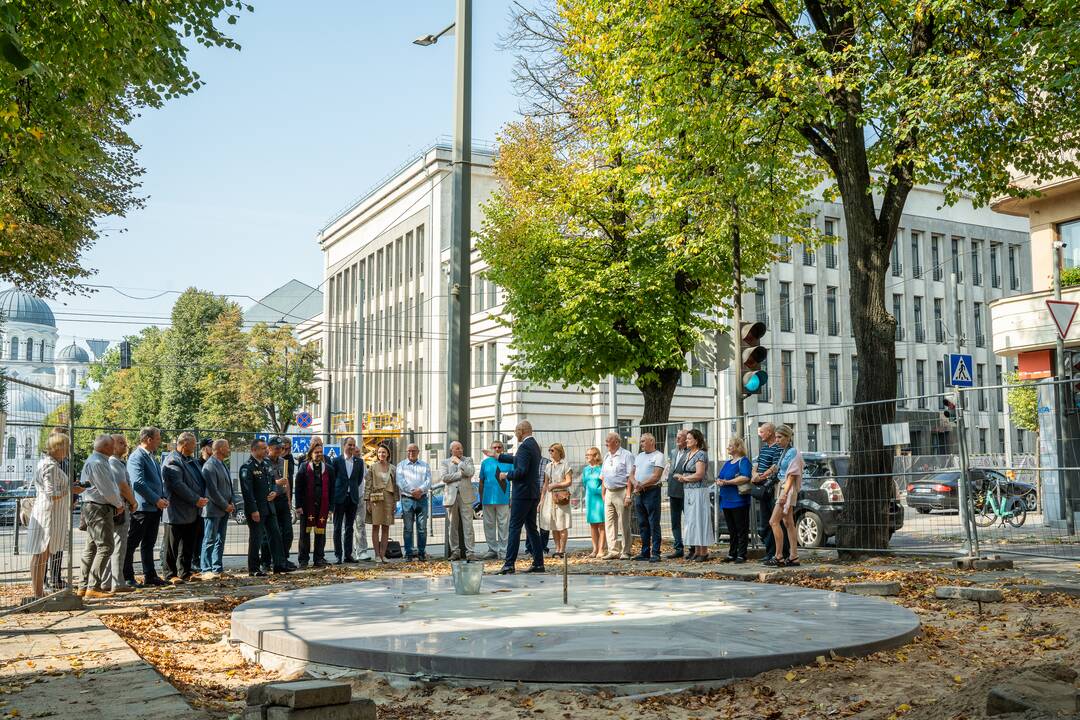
column 615, row 630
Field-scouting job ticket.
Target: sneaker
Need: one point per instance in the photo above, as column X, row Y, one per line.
column 366, row 556
column 611, row 556
column 209, row 576
column 92, row 594
column 624, row 556
column 176, row 580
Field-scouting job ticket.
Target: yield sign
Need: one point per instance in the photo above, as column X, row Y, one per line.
column 1063, row 312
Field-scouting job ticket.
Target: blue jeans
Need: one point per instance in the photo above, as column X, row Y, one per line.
column 415, row 511
column 213, row 548
column 647, row 505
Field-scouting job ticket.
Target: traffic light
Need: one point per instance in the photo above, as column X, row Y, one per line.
column 753, row 357
column 948, row 408
column 1072, row 387
column 125, row 355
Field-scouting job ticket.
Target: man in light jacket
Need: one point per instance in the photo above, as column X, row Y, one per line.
column 184, row 491
column 456, row 473
column 215, row 514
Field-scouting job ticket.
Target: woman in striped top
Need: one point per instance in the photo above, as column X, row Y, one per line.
column 50, row 520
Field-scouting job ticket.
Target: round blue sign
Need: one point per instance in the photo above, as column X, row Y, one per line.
column 304, row 419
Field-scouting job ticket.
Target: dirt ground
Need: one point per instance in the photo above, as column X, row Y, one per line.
column 944, row 674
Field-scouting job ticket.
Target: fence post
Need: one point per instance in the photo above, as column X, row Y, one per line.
column 71, row 483
column 967, row 506
column 15, row 526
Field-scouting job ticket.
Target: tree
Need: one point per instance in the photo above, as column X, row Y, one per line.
column 279, row 375
column 885, row 96
column 1023, row 399
column 221, row 386
column 73, row 75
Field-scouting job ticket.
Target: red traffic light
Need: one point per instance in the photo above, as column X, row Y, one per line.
column 752, row 333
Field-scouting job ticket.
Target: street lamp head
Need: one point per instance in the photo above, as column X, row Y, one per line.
column 425, row 40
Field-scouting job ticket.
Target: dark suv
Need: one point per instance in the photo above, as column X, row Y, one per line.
column 821, row 499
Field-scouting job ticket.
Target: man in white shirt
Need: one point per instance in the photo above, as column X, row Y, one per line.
column 645, row 482
column 100, row 502
column 114, row 571
column 414, row 483
column 615, row 473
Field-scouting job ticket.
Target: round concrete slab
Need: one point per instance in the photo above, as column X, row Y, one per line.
column 615, row 630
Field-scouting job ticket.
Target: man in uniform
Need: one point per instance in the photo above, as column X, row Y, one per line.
column 258, row 489
column 281, row 472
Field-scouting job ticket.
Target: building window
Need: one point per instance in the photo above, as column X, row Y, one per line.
column 995, row 273
column 830, row 247
column 898, row 313
column 999, row 396
column 939, row 321
column 420, row 384
column 478, row 357
column 1069, row 233
column 14, row 348
column 11, row 447
column 786, row 378
column 409, row 386
column 420, row 318
column 492, row 364
column 894, row 262
column 399, row 247
column 420, row 249
column 74, row 377
column 808, row 309
column 900, row 394
column 492, row 293
column 831, row 311
column 980, row 338
column 811, row 378
column 958, row 258
column 920, row 332
column 1019, row 441
column 982, row 441
column 920, row 382
column 980, row 380
column 941, row 377
column 854, row 376
column 935, row 256
column 765, row 393
column 916, row 255
column 761, row 308
column 811, row 437
column 976, row 262
column 807, row 256
column 41, row 351
column 834, row 432
column 834, row 380
column 697, row 372
column 1014, row 275
column 479, row 295
column 30, row 349
column 785, row 307
column 1001, row 440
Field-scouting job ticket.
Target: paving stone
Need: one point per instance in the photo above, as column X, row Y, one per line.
column 1070, row 590
column 308, row 693
column 974, row 594
column 186, row 602
column 1033, row 691
column 256, row 694
column 359, row 709
column 982, row 564
column 885, row 589
column 255, row 712
column 122, row 611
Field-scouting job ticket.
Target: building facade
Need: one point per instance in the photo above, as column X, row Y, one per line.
column 384, row 322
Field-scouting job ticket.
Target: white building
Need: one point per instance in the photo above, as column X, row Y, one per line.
column 385, row 268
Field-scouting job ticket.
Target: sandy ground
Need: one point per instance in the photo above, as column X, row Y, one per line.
column 943, row 675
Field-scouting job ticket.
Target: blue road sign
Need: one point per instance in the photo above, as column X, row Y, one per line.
column 960, row 374
column 265, row 437
column 304, row 419
column 300, row 444
column 331, row 452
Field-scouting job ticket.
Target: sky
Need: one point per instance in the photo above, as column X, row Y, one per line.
column 324, row 99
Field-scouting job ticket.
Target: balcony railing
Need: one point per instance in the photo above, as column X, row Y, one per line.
column 898, row 269
column 785, row 323
column 899, row 333
column 938, row 273
column 916, row 271
column 810, row 326
column 920, row 334
column 1014, row 282
column 980, row 340
column 976, row 278
column 995, row 281
column 834, row 328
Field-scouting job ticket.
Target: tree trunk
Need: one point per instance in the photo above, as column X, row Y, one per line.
column 657, row 395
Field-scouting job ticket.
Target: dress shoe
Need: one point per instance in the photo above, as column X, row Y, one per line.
column 729, row 558
column 351, row 560
column 455, row 556
column 675, row 555
column 536, row 569
column 491, row 555
column 92, row 594
column 154, row 582
column 291, row 565
column 176, row 581
column 505, row 571
column 654, row 558
column 257, row 573
column 81, row 592
column 640, row 558
column 321, row 564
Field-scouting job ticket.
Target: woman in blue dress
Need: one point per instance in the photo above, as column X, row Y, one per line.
column 734, row 481
column 594, row 501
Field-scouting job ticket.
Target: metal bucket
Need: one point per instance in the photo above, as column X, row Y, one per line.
column 467, row 577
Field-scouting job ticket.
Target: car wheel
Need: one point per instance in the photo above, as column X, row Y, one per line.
column 922, row 510
column 1031, row 500
column 809, row 530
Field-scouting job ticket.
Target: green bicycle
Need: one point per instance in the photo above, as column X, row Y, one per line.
column 993, row 504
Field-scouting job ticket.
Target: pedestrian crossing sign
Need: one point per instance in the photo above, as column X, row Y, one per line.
column 960, row 370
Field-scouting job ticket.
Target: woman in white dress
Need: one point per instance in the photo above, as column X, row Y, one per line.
column 698, row 533
column 50, row 520
column 555, row 498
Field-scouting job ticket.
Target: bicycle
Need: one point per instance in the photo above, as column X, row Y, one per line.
column 993, row 505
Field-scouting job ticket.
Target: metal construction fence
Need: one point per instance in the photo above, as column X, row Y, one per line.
column 890, row 478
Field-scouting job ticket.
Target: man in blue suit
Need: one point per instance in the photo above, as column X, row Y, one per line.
column 145, row 476
column 524, row 497
column 348, row 489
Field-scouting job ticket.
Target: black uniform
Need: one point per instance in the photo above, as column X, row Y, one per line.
column 256, row 482
column 282, row 467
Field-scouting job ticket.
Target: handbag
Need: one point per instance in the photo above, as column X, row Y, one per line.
column 393, row 549
column 745, row 488
column 560, row 497
column 375, row 496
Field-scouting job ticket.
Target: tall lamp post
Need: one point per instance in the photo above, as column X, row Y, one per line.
column 459, row 300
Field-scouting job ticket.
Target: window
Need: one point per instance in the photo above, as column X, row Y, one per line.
column 811, row 437
column 854, row 375
column 941, row 377
column 478, row 357
column 982, row 441
column 785, row 307
column 920, row 382
column 939, row 321
column 409, row 254
column 900, row 394
column 409, row 386
column 831, row 311
column 11, row 447
column 958, row 258
column 898, row 313
column 1019, row 441
column 811, row 378
column 30, row 349
column 420, row 249
column 920, row 332
column 765, row 393
column 492, row 293
column 834, row 380
column 73, row 378
column 976, row 262
column 41, row 351
column 830, row 248
column 999, row 396
column 761, row 308
column 478, row 294
column 995, row 274
column 1014, row 275
column 420, row 319
column 1001, row 440
column 783, row 250
column 14, row 348
column 807, row 256
column 697, row 372
column 808, row 309
column 916, row 255
column 894, row 262
column 786, row 378
column 980, row 338
column 492, row 364
column 980, row 380
column 935, row 256
column 420, row 384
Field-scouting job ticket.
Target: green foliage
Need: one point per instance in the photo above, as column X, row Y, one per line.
column 279, row 375
column 73, row 75
column 1070, row 277
column 188, row 354
column 1023, row 402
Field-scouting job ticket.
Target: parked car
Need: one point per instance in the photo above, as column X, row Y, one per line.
column 821, row 499
column 437, row 509
column 940, row 490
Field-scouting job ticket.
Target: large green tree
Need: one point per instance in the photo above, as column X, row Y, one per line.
column 188, row 354
column 73, row 74
column 279, row 375
column 885, row 95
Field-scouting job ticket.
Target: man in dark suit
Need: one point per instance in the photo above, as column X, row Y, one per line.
column 348, row 489
column 525, row 479
column 185, row 492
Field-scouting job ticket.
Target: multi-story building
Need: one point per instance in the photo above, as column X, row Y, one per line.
column 385, row 270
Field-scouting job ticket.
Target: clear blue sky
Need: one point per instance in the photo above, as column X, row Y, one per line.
column 323, row 100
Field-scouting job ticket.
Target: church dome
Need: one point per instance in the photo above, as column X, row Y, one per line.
column 19, row 306
column 73, row 353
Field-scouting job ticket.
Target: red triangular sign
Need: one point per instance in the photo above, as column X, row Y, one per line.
column 1063, row 312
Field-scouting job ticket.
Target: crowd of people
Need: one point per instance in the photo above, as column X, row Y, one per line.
column 128, row 498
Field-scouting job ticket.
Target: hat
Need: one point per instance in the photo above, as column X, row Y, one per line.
column 206, row 442
column 275, row 442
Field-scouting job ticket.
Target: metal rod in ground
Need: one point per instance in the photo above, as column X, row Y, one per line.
column 565, row 581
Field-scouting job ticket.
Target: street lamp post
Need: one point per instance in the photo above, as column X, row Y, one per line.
column 460, row 288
